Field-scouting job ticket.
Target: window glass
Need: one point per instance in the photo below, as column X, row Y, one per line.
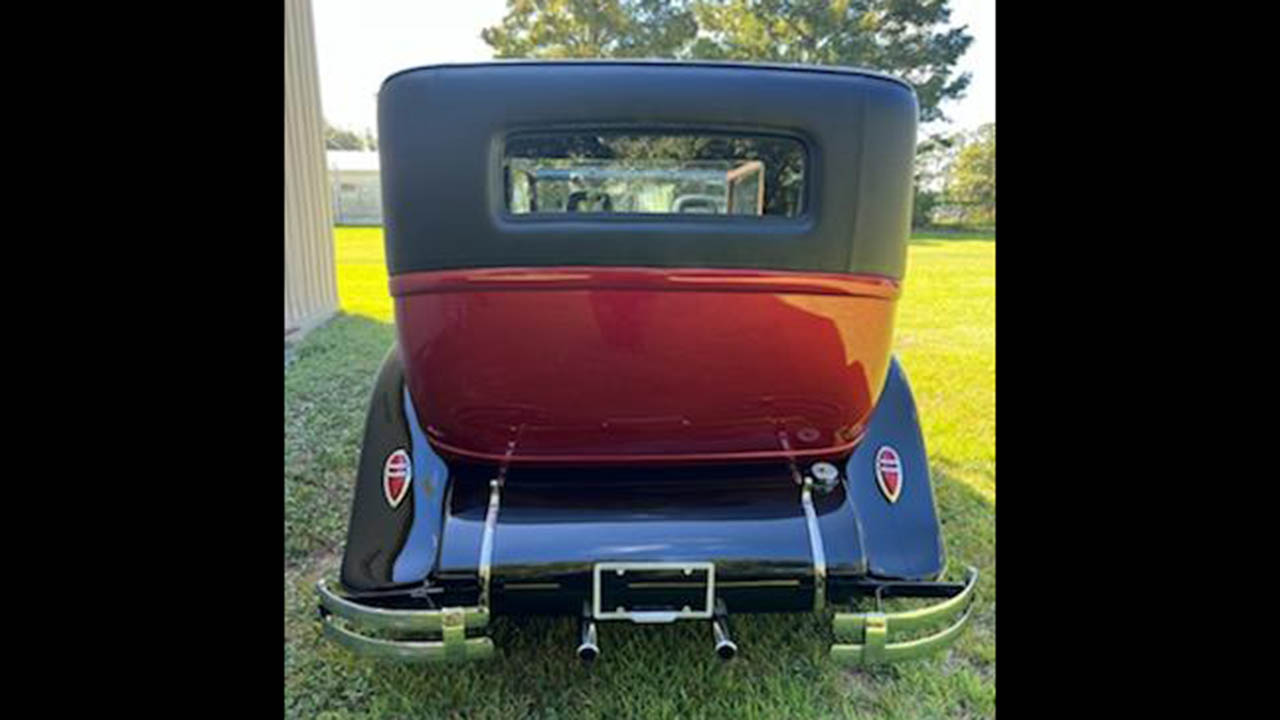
column 654, row 173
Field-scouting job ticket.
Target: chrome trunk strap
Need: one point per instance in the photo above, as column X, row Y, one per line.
column 815, row 543
column 811, row 520
column 486, row 543
column 490, row 524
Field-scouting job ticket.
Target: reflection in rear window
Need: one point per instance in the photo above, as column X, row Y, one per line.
column 654, row 173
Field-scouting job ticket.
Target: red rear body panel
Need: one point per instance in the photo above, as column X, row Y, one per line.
column 600, row 365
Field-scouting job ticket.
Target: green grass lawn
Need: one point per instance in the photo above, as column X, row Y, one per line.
column 946, row 340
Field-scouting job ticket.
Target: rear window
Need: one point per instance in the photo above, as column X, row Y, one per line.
column 654, row 173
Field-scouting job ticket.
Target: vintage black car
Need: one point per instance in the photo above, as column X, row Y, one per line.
column 644, row 314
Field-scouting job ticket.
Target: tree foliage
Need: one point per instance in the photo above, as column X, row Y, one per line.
column 955, row 175
column 593, row 29
column 934, row 156
column 342, row 139
column 973, row 174
column 906, row 38
column 933, row 161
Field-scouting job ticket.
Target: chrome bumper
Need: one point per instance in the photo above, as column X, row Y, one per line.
column 866, row 635
column 449, row 624
column 861, row 638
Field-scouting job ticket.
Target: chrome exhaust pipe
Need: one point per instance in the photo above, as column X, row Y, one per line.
column 588, row 650
column 726, row 648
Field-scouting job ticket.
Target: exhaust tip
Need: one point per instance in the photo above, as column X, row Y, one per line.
column 588, row 652
column 726, row 649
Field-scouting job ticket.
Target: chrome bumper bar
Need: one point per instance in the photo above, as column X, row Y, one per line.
column 866, row 635
column 450, row 624
column 861, row 638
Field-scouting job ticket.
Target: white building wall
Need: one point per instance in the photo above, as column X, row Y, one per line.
column 357, row 197
column 310, row 285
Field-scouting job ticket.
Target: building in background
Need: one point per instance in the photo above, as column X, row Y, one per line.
column 357, row 193
column 310, row 285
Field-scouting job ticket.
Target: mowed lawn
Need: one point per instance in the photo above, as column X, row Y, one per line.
column 946, row 339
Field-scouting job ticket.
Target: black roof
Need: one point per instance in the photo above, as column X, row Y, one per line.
column 442, row 129
column 795, row 67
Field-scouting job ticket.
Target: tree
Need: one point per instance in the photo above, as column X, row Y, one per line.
column 901, row 37
column 934, row 156
column 933, row 161
column 340, row 139
column 593, row 29
column 972, row 178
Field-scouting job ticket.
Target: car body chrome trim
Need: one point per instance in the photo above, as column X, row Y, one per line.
column 486, row 542
column 815, row 542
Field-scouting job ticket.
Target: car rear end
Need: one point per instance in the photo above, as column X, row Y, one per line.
column 643, row 372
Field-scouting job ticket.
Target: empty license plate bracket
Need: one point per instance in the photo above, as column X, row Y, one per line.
column 653, row 592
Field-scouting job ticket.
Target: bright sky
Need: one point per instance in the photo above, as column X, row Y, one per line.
column 361, row 43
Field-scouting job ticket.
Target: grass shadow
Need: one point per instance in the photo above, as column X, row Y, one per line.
column 326, row 396
column 933, row 237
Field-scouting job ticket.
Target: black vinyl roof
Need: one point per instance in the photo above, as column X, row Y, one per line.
column 442, row 129
column 659, row 62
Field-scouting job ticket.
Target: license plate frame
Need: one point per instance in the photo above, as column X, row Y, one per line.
column 653, row 616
